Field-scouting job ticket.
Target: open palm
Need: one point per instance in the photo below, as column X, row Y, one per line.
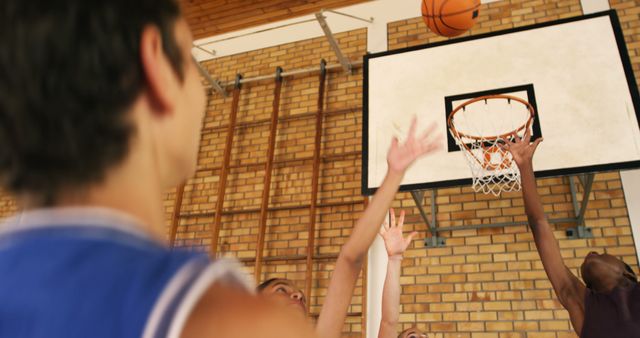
column 401, row 156
column 394, row 242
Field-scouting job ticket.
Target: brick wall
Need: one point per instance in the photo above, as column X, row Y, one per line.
column 7, row 205
column 213, row 17
column 490, row 282
column 339, row 199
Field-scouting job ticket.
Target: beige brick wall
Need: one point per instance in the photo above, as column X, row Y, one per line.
column 340, row 202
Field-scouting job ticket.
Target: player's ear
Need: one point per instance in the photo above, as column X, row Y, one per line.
column 157, row 69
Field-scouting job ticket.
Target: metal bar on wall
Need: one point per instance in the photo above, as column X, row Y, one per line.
column 500, row 225
column 587, row 184
column 309, row 115
column 315, row 181
column 304, row 71
column 267, row 175
column 175, row 219
column 222, row 182
column 286, row 162
column 318, row 257
column 344, row 60
column 214, row 84
column 270, row 209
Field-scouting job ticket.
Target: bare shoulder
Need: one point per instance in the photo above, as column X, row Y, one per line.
column 229, row 312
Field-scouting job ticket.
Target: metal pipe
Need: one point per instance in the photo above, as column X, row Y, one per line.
column 501, row 225
column 214, row 83
column 418, row 197
column 212, row 53
column 574, row 200
column 348, row 15
column 270, row 209
column 175, row 219
column 256, row 32
column 434, row 220
column 222, row 182
column 588, row 184
column 315, row 179
column 354, row 65
column 344, row 61
column 267, row 175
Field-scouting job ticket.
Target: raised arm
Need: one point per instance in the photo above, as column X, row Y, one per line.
column 396, row 246
column 354, row 251
column 568, row 288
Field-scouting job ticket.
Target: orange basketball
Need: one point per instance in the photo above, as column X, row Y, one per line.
column 450, row 17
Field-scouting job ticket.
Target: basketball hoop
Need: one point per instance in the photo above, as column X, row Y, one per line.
column 480, row 138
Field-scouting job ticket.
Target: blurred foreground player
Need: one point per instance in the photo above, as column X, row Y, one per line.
column 101, row 107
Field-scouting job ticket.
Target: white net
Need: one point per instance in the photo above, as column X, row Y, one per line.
column 493, row 170
column 479, row 130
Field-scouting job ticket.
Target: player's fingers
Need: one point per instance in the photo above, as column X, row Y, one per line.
column 412, row 129
column 527, row 136
column 401, row 220
column 536, row 143
column 429, row 131
column 435, row 144
column 516, row 138
column 392, row 217
column 394, row 142
column 410, row 238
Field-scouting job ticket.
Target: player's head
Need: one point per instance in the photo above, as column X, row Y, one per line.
column 86, row 84
column 412, row 332
column 603, row 272
column 284, row 292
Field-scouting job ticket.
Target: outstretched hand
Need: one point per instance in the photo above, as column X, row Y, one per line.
column 401, row 156
column 522, row 149
column 394, row 242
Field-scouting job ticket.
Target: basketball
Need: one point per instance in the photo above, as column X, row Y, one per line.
column 450, row 17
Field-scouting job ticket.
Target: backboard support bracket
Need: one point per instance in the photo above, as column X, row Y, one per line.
column 580, row 231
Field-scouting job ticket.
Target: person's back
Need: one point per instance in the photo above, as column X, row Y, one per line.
column 89, row 273
column 101, row 108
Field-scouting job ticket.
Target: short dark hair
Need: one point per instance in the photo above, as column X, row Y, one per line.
column 265, row 284
column 68, row 72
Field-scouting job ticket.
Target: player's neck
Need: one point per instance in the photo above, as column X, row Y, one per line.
column 134, row 188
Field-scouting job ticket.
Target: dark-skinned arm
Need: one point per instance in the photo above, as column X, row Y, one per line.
column 568, row 288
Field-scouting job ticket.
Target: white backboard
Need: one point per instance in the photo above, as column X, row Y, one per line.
column 575, row 72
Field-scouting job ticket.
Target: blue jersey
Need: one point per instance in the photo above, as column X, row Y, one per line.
column 87, row 272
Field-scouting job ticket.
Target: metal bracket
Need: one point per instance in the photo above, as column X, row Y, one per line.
column 435, row 242
column 577, row 232
column 215, row 84
column 370, row 20
column 344, row 61
column 580, row 231
column 432, row 241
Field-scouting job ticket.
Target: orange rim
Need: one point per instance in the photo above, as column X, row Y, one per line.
column 489, row 97
column 460, row 135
